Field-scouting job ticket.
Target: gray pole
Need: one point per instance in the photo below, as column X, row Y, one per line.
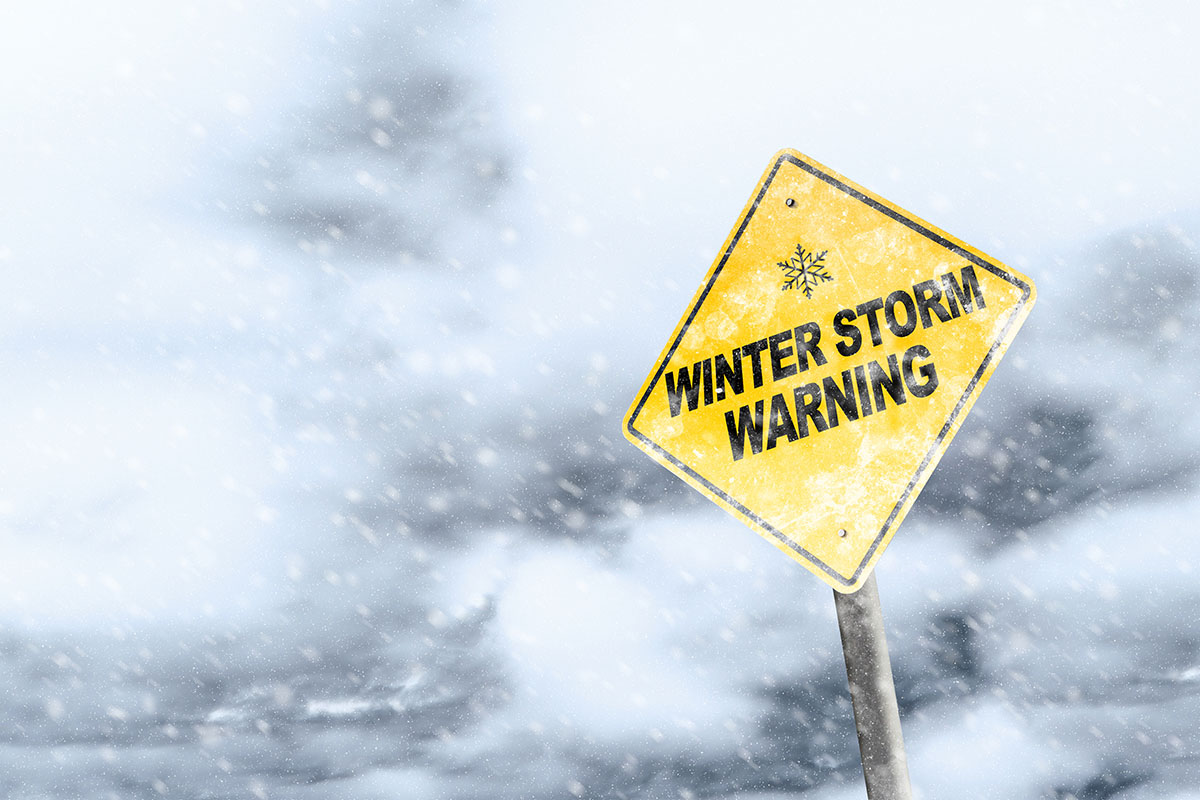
column 876, row 715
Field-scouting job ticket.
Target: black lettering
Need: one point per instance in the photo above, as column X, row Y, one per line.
column 807, row 337
column 708, row 382
column 808, row 400
column 747, row 427
column 685, row 385
column 900, row 297
column 927, row 371
column 928, row 294
column 889, row 382
column 778, row 354
column 864, row 391
column 781, row 422
column 727, row 375
column 969, row 294
column 752, row 351
column 843, row 398
column 850, row 332
column 871, row 308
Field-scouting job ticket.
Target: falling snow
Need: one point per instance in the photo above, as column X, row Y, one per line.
column 318, row 324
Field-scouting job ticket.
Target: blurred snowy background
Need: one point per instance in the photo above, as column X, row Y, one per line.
column 318, row 320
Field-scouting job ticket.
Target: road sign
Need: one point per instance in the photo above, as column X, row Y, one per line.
column 824, row 365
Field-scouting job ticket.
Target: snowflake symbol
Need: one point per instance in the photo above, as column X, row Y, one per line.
column 804, row 271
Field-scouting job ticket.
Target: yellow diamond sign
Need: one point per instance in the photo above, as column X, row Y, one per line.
column 824, row 365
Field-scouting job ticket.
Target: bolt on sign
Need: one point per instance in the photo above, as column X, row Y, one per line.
column 824, row 365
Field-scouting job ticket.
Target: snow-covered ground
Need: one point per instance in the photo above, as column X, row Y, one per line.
column 317, row 322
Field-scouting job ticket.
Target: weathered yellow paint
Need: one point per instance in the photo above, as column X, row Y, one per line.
column 862, row 476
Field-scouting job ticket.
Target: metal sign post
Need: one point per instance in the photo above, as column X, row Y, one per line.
column 817, row 376
column 873, row 693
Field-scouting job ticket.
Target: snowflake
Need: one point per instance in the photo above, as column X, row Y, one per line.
column 804, row 271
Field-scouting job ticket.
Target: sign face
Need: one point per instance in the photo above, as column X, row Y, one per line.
column 824, row 365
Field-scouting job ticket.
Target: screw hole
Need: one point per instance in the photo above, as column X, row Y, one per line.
column 842, row 532
column 789, row 202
